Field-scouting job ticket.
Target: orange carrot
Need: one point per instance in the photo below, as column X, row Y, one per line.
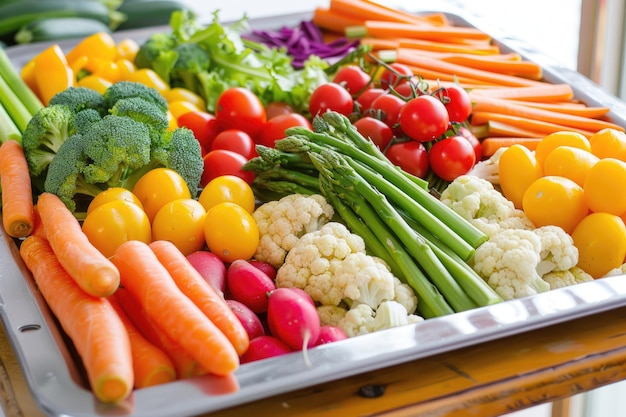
column 332, row 21
column 496, row 128
column 191, row 283
column 378, row 44
column 395, row 30
column 172, row 311
column 434, row 74
column 38, row 229
column 541, row 92
column 498, row 63
column 368, row 10
column 151, row 365
column 17, row 194
column 543, row 127
column 91, row 270
column 435, row 46
column 578, row 109
column 90, row 322
column 491, row 145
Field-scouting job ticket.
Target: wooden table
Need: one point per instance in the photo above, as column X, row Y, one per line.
column 484, row 380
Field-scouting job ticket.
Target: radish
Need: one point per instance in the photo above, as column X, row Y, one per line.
column 293, row 318
column 329, row 334
column 211, row 267
column 249, row 285
column 265, row 267
column 263, row 347
column 250, row 321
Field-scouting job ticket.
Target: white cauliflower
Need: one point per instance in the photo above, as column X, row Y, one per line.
column 476, row 200
column 281, row 223
column 331, row 315
column 405, row 295
column 621, row 270
column 572, row 276
column 362, row 319
column 558, row 252
column 488, row 169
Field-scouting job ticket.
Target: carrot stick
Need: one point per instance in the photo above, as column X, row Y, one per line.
column 17, row 194
column 543, row 127
column 172, row 311
column 577, row 109
column 332, row 21
column 366, row 10
column 38, row 229
column 491, row 145
column 435, row 46
column 378, row 44
column 395, row 30
column 91, row 270
column 151, row 365
column 191, row 283
column 444, row 76
column 90, row 322
column 521, row 68
column 540, row 92
column 496, row 128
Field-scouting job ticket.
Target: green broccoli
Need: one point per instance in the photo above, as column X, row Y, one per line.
column 128, row 89
column 183, row 155
column 146, row 112
column 80, row 98
column 157, row 53
column 192, row 61
column 83, row 120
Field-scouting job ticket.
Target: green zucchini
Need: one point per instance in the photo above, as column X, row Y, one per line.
column 58, row 28
column 143, row 13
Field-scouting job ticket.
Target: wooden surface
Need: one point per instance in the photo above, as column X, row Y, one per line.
column 489, row 379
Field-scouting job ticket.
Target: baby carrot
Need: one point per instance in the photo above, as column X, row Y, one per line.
column 17, row 198
column 90, row 322
column 541, row 92
column 396, row 30
column 331, row 21
column 368, row 10
column 172, row 311
column 191, row 283
column 544, row 127
column 93, row 272
column 151, row 365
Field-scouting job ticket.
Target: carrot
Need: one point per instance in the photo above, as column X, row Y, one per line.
column 151, row 365
column 543, row 127
column 501, row 64
column 91, row 270
column 539, row 92
column 435, row 46
column 444, row 76
column 17, row 194
column 395, row 30
column 332, row 21
column 38, row 229
column 368, row 10
column 492, row 144
column 90, row 322
column 378, row 44
column 191, row 283
column 172, row 311
column 578, row 109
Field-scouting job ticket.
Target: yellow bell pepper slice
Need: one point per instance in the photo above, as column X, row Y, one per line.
column 99, row 45
column 52, row 73
column 95, row 83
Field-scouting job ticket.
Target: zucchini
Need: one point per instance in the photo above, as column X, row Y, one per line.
column 143, row 13
column 58, row 28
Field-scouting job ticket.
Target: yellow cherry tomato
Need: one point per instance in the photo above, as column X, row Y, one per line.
column 158, row 187
column 601, row 242
column 557, row 201
column 609, row 143
column 111, row 194
column 227, row 188
column 182, row 223
column 115, row 222
column 605, row 186
column 231, row 232
column 517, row 169
column 561, row 138
column 569, row 162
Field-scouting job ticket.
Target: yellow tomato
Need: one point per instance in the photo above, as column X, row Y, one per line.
column 517, row 169
column 561, row 138
column 609, row 143
column 231, row 232
column 182, row 223
column 605, row 186
column 111, row 194
column 115, row 222
column 569, row 162
column 227, row 188
column 601, row 242
column 553, row 200
column 158, row 187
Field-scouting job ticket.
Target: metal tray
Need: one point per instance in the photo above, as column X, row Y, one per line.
column 57, row 383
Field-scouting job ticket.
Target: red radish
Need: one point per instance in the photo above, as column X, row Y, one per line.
column 211, row 267
column 251, row 322
column 329, row 334
column 263, row 347
column 293, row 318
column 265, row 267
column 249, row 285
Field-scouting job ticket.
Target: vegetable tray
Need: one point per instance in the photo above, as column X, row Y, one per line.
column 57, row 382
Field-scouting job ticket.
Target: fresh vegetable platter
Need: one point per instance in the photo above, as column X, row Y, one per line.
column 56, row 377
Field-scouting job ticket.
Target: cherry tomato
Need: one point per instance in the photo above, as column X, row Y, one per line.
column 473, row 140
column 240, row 108
column 159, row 186
column 231, row 232
column 330, row 96
column 275, row 127
column 111, row 194
column 387, row 108
column 451, row 157
column 365, row 99
column 410, row 89
column 411, row 156
column 353, row 78
column 235, row 140
column 396, row 74
column 376, row 130
column 227, row 188
column 181, row 222
column 115, row 222
column 277, row 107
column 224, row 162
column 203, row 126
column 457, row 102
column 424, row 118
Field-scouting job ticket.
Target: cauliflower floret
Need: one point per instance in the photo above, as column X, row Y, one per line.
column 558, row 252
column 621, row 270
column 488, row 169
column 405, row 295
column 508, row 261
column 476, row 200
column 365, row 280
column 362, row 319
column 572, row 276
column 281, row 223
column 331, row 315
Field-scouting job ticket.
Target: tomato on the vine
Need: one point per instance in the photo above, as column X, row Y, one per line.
column 387, row 108
column 275, row 127
column 277, row 107
column 202, row 124
column 396, row 74
column 451, row 157
column 235, row 140
column 331, row 96
column 424, row 118
column 240, row 108
column 353, row 78
column 224, row 162
column 457, row 102
column 376, row 130
column 365, row 99
column 473, row 140
column 411, row 156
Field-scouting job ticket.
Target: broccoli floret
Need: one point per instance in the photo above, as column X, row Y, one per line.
column 47, row 130
column 80, row 98
column 128, row 89
column 183, row 155
column 157, row 53
column 192, row 60
column 145, row 112
column 83, row 120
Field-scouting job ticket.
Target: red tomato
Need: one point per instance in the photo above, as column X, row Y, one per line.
column 277, row 107
column 224, row 162
column 394, row 75
column 473, row 140
column 387, row 108
column 457, row 102
column 203, row 126
column 376, row 130
column 240, row 108
column 353, row 78
column 365, row 99
column 235, row 140
column 275, row 127
column 452, row 157
column 424, row 118
column 411, row 156
column 331, row 96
